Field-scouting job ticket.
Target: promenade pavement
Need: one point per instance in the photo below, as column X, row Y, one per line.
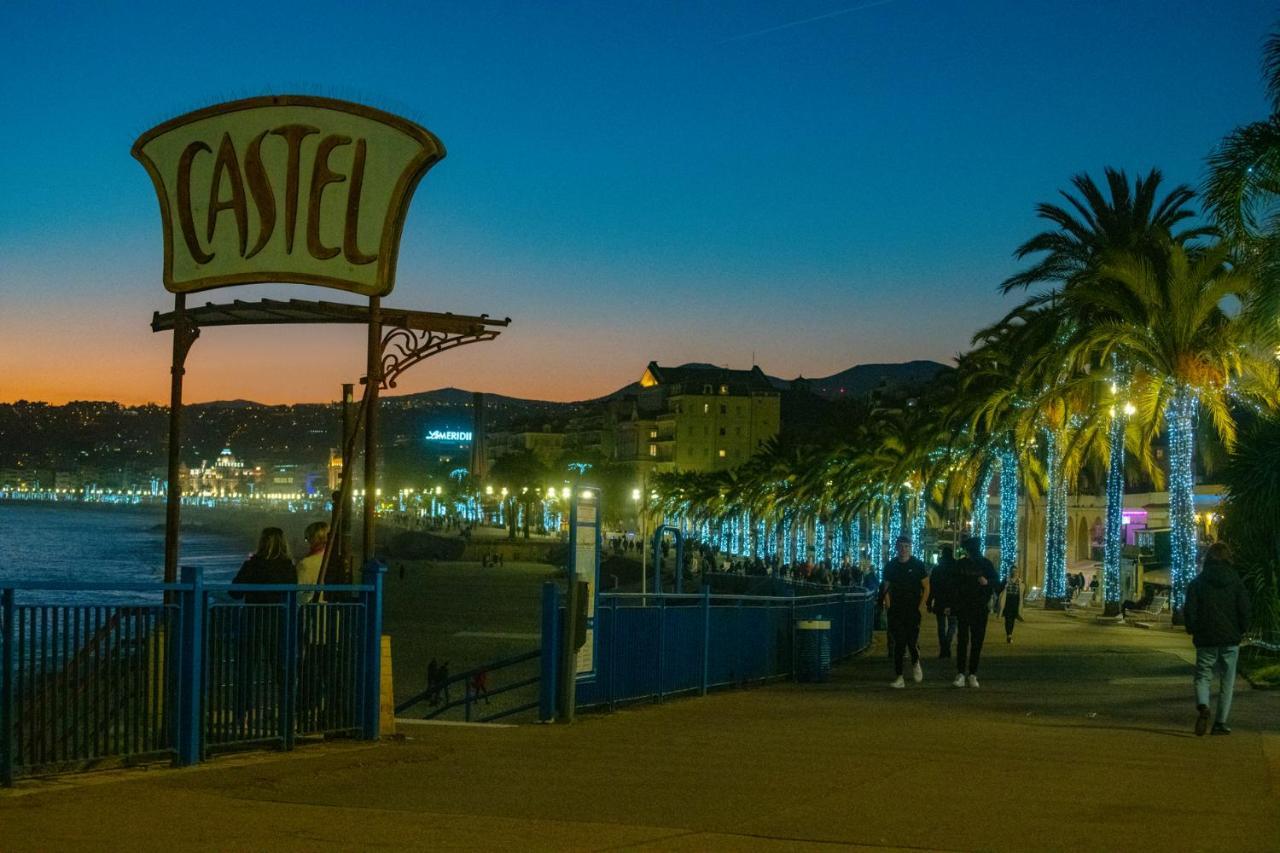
column 1078, row 739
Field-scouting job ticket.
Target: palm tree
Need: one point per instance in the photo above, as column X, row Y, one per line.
column 1252, row 523
column 1243, row 188
column 1091, row 227
column 1188, row 355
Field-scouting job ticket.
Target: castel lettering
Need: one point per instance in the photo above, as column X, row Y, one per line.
column 234, row 172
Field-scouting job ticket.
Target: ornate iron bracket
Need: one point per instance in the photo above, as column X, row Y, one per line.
column 185, row 333
column 403, row 348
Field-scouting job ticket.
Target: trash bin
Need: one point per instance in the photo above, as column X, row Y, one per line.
column 813, row 658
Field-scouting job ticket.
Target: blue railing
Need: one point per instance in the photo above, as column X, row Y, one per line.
column 654, row 646
column 185, row 672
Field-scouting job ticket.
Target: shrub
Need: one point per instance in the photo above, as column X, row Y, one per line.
column 1251, row 522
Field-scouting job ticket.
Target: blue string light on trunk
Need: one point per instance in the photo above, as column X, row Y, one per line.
column 918, row 519
column 980, row 498
column 895, row 526
column 1114, row 535
column 1180, row 418
column 1055, row 526
column 876, row 545
column 1008, row 511
column 854, row 545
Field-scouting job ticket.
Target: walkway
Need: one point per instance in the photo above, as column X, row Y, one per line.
column 1079, row 739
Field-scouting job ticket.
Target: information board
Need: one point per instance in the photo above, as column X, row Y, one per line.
column 584, row 565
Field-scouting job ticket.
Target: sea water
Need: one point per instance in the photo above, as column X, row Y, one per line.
column 102, row 545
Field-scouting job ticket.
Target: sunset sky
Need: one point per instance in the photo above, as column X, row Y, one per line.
column 819, row 184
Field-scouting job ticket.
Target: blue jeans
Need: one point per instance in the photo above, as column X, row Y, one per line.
column 1221, row 659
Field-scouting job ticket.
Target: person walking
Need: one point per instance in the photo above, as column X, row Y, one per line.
column 974, row 581
column 1216, row 615
column 906, row 582
column 1012, row 605
column 939, row 602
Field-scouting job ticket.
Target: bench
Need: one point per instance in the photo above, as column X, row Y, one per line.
column 1156, row 611
column 1083, row 599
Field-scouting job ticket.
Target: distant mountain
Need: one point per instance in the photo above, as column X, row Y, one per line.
column 861, row 379
column 228, row 404
column 461, row 397
column 858, row 380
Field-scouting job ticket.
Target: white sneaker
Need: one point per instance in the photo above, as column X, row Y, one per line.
column 959, row 682
column 973, row 681
column 898, row 682
column 917, row 674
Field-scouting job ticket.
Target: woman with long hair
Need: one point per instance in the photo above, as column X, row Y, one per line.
column 270, row 564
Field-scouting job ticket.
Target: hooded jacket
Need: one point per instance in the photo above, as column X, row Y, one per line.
column 969, row 596
column 1217, row 608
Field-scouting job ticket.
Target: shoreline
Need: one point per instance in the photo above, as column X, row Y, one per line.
column 239, row 523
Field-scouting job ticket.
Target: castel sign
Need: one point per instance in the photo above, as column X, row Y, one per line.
column 285, row 189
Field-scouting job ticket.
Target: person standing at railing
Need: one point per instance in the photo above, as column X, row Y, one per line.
column 270, row 564
column 258, row 659
column 308, row 574
column 906, row 582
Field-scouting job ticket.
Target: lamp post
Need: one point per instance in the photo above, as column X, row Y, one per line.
column 637, row 495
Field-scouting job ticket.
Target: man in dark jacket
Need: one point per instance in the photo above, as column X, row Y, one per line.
column 1216, row 616
column 939, row 602
column 973, row 581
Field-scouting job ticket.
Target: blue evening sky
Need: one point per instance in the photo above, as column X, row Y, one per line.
column 818, row 183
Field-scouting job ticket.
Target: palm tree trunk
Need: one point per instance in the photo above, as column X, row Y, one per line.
column 853, row 544
column 1055, row 527
column 895, row 525
column 1008, row 512
column 918, row 520
column 1180, row 418
column 876, row 545
column 1114, row 542
column 980, row 498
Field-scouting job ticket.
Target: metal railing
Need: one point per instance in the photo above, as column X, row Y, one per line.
column 650, row 646
column 437, row 695
column 183, row 673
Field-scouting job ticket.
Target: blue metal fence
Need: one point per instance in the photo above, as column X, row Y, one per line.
column 185, row 672
column 653, row 646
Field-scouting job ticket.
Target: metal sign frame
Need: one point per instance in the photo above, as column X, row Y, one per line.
column 584, row 565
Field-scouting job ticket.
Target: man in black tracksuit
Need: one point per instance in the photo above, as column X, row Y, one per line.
column 973, row 580
column 939, row 602
column 906, row 581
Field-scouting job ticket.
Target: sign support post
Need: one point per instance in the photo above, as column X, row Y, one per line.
column 373, row 379
column 184, row 335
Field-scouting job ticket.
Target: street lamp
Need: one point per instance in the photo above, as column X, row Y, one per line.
column 644, row 547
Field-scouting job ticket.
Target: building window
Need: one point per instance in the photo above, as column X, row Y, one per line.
column 706, row 408
column 653, row 450
column 724, row 410
column 722, row 430
column 653, row 433
column 722, row 453
column 706, row 389
column 724, row 389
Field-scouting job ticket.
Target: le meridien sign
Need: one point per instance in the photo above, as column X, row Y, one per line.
column 285, row 189
column 453, row 435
